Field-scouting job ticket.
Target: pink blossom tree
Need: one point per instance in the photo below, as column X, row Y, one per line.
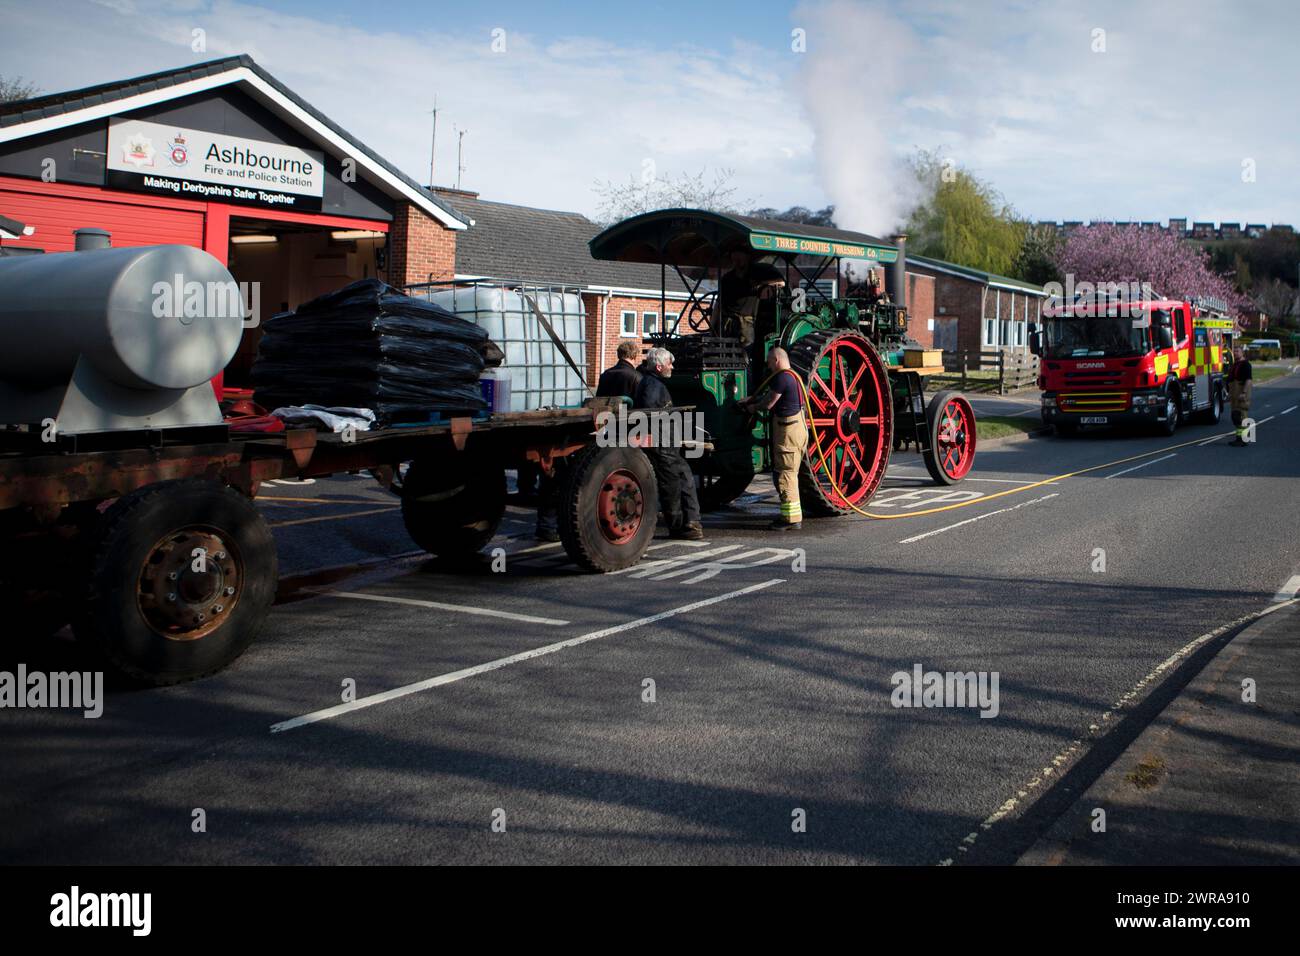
column 1104, row 252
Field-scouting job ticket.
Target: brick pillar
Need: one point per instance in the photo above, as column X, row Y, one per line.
column 420, row 249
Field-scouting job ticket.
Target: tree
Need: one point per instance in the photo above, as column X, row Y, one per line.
column 1036, row 262
column 1278, row 301
column 962, row 219
column 1104, row 253
column 648, row 192
column 16, row 89
column 800, row 214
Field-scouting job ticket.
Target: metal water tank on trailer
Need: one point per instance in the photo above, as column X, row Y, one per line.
column 115, row 339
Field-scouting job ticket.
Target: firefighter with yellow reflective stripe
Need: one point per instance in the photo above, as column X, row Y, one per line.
column 784, row 398
column 1240, row 385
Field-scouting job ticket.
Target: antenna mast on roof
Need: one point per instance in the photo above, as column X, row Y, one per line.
column 460, row 154
column 433, row 143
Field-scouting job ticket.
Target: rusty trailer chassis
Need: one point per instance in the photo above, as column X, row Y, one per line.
column 150, row 546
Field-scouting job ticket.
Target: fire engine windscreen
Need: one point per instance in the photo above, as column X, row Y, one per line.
column 1094, row 336
column 367, row 345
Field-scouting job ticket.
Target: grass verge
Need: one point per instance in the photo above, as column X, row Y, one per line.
column 1000, row 426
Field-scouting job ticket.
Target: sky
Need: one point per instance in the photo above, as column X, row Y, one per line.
column 1123, row 109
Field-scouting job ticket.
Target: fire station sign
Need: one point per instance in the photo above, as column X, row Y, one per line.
column 192, row 164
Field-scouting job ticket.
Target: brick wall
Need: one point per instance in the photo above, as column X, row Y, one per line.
column 920, row 308
column 597, row 362
column 419, row 248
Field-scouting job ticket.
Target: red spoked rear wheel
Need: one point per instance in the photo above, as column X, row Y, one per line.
column 951, row 423
column 852, row 420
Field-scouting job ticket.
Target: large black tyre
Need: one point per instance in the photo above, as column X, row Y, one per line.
column 862, row 417
column 1173, row 413
column 609, row 503
column 950, row 424
column 453, row 508
column 718, row 491
column 181, row 577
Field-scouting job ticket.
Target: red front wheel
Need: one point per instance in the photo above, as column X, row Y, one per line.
column 951, row 424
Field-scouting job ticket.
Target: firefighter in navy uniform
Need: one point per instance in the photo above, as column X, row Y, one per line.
column 1240, row 385
column 784, row 398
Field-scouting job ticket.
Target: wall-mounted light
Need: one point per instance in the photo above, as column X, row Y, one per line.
column 253, row 240
column 344, row 235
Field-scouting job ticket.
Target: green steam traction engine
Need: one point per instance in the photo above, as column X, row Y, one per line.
column 864, row 384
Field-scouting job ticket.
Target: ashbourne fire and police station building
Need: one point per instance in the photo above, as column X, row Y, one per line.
column 224, row 157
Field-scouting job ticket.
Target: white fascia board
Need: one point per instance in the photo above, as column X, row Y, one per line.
column 319, row 131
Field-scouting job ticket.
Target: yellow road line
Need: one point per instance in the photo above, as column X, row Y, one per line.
column 320, row 501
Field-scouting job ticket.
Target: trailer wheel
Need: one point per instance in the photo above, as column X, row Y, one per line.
column 181, row 578
column 453, row 510
column 608, row 507
column 950, row 423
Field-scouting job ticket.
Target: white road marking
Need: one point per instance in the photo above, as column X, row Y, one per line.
column 1288, row 590
column 925, row 497
column 382, row 698
column 439, row 606
column 1064, row 758
column 987, row 514
column 675, row 561
column 1143, row 465
column 1287, row 411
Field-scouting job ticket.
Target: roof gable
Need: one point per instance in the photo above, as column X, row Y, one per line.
column 59, row 110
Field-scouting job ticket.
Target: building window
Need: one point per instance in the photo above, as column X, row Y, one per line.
column 670, row 321
column 649, row 323
column 628, row 323
column 990, row 333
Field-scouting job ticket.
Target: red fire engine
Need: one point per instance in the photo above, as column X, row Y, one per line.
column 1154, row 362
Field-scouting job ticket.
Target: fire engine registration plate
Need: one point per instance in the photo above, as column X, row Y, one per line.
column 1094, row 420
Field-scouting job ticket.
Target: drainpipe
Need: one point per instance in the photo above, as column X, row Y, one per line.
column 604, row 316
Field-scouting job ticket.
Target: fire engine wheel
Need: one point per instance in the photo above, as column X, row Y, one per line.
column 853, row 415
column 950, row 421
column 718, row 491
column 453, row 510
column 608, row 506
column 1173, row 413
column 1212, row 414
column 182, row 574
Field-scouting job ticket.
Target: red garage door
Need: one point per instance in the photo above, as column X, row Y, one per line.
column 57, row 213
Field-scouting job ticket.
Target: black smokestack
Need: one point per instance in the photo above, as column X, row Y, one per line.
column 899, row 290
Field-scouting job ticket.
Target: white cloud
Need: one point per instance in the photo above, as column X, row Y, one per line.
column 1155, row 126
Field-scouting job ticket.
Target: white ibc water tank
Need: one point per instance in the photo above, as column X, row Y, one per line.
column 539, row 375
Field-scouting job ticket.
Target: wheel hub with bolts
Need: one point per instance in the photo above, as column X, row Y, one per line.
column 620, row 506
column 189, row 585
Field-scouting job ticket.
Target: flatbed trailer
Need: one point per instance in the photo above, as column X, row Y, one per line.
column 149, row 545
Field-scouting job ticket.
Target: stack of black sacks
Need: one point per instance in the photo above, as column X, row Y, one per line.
column 368, row 346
